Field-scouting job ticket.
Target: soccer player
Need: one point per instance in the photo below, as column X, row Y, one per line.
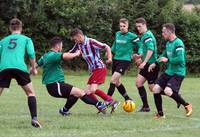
column 90, row 51
column 53, row 78
column 149, row 56
column 170, row 81
column 12, row 51
column 122, row 49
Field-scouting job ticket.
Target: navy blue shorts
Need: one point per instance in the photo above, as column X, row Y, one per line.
column 173, row 82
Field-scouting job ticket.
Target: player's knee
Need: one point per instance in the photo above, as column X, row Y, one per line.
column 77, row 92
column 138, row 83
column 156, row 89
column 168, row 91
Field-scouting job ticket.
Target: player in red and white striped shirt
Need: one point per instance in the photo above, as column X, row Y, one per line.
column 90, row 49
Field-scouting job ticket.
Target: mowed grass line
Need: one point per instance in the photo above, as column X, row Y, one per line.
column 84, row 122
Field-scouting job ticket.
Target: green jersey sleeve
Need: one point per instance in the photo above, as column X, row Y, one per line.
column 40, row 61
column 113, row 48
column 30, row 49
column 138, row 43
column 149, row 43
column 180, row 56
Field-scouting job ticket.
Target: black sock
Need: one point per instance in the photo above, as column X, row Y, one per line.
column 158, row 103
column 143, row 96
column 88, row 100
column 70, row 102
column 179, row 99
column 111, row 89
column 123, row 92
column 32, row 104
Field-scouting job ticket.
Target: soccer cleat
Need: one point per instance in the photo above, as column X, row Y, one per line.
column 158, row 116
column 102, row 108
column 114, row 105
column 63, row 113
column 144, row 109
column 36, row 123
column 188, row 109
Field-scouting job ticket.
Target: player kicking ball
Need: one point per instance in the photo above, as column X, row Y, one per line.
column 90, row 49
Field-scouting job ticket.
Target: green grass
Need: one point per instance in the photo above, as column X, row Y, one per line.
column 84, row 122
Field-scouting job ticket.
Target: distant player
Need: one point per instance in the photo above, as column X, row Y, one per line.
column 90, row 51
column 170, row 81
column 12, row 51
column 53, row 78
column 149, row 56
column 122, row 49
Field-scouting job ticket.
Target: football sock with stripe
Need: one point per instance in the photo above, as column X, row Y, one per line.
column 123, row 92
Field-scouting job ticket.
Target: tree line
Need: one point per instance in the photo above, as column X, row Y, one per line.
column 43, row 19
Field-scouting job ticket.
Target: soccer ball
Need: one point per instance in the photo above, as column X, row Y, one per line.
column 128, row 106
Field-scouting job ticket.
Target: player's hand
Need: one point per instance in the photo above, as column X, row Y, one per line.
column 138, row 62
column 136, row 56
column 151, row 67
column 108, row 61
column 33, row 71
column 142, row 65
column 163, row 59
column 78, row 53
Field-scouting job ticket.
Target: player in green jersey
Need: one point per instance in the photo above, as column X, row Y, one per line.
column 53, row 78
column 170, row 81
column 148, row 56
column 12, row 51
column 122, row 50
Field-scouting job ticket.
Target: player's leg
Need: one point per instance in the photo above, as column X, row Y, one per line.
column 172, row 90
column 111, row 89
column 32, row 104
column 23, row 79
column 140, row 80
column 158, row 100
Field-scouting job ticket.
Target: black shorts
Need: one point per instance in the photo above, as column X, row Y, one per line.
column 173, row 82
column 6, row 76
column 150, row 76
column 120, row 66
column 59, row 89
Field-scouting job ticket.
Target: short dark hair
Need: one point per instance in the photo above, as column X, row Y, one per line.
column 75, row 32
column 141, row 20
column 15, row 24
column 123, row 20
column 55, row 40
column 170, row 27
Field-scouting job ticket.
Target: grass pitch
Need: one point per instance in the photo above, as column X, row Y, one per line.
column 84, row 122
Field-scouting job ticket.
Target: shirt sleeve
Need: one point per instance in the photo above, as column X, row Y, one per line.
column 40, row 61
column 180, row 56
column 30, row 49
column 74, row 49
column 149, row 43
column 96, row 44
column 136, row 41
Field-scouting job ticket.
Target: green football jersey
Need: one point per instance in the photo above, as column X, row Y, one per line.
column 13, row 49
column 149, row 43
column 175, row 52
column 52, row 70
column 124, row 44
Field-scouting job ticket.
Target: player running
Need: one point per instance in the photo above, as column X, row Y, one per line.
column 149, row 56
column 122, row 49
column 170, row 81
